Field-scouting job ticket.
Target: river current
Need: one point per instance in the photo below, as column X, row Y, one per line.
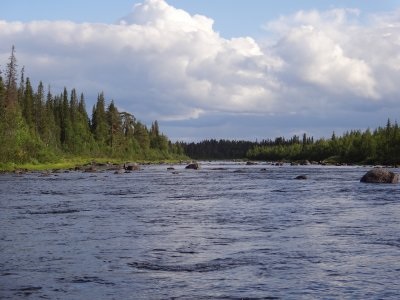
column 226, row 231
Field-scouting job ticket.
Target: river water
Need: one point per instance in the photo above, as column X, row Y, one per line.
column 227, row 231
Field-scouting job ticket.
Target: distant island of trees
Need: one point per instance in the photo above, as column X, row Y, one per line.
column 39, row 127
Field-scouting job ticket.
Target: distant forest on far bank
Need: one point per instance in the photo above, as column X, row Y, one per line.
column 37, row 126
column 380, row 146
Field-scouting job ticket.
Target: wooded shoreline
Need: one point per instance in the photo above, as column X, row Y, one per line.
column 44, row 128
column 40, row 131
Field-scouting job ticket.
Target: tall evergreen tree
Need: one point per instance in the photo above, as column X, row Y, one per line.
column 82, row 108
column 67, row 133
column 2, row 97
column 27, row 105
column 141, row 135
column 11, row 95
column 115, row 128
column 99, row 121
column 21, row 89
column 74, row 106
column 39, row 108
column 157, row 140
column 49, row 128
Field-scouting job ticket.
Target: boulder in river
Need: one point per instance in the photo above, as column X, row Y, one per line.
column 91, row 169
column 380, row 175
column 131, row 167
column 193, row 166
column 305, row 162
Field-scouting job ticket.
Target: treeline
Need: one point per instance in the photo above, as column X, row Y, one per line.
column 213, row 149
column 380, row 146
column 37, row 126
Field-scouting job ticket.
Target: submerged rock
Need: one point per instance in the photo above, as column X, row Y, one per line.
column 380, row 175
column 193, row 166
column 20, row 171
column 119, row 171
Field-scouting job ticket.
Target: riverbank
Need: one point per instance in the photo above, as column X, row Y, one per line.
column 104, row 164
column 81, row 163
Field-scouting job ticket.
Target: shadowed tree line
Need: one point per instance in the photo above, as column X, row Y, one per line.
column 218, row 149
column 380, row 146
column 37, row 126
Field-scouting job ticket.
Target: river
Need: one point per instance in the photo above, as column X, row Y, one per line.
column 226, row 231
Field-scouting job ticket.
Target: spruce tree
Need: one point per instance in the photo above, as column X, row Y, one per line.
column 49, row 129
column 141, row 135
column 157, row 140
column 82, row 108
column 99, row 122
column 27, row 105
column 67, row 135
column 11, row 93
column 21, row 89
column 73, row 106
column 115, row 127
column 39, row 108
column 2, row 98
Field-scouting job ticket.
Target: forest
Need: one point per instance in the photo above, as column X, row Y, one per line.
column 37, row 126
column 380, row 146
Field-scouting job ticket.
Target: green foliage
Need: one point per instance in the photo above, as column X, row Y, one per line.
column 2, row 98
column 141, row 135
column 379, row 147
column 213, row 149
column 17, row 143
column 11, row 91
column 37, row 130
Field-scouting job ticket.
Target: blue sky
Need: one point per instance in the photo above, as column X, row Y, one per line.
column 218, row 68
column 232, row 17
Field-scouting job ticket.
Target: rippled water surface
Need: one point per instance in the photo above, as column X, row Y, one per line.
column 227, row 231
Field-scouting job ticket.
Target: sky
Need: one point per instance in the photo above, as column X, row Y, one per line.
column 230, row 69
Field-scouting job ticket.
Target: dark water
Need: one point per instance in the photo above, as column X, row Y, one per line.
column 207, row 234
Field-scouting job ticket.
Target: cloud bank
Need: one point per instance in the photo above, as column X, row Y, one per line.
column 162, row 63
